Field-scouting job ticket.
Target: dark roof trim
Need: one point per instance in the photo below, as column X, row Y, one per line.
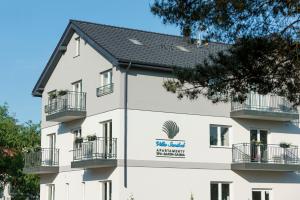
column 56, row 55
column 150, row 66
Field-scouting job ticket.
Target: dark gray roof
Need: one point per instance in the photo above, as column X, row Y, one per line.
column 158, row 51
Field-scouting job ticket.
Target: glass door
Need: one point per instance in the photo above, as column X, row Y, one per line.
column 258, row 145
column 52, row 145
column 77, row 89
column 261, row 195
column 108, row 141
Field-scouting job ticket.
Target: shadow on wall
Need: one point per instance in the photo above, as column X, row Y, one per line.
column 97, row 174
column 48, row 178
column 269, row 177
column 275, row 126
column 66, row 127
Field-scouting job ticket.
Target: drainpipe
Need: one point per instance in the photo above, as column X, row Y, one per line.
column 126, row 122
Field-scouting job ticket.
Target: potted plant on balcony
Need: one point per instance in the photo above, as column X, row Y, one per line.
column 52, row 95
column 284, row 145
column 62, row 92
column 37, row 149
column 78, row 140
column 91, row 137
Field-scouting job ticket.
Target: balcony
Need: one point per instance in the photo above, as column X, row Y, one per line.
column 102, row 152
column 264, row 157
column 66, row 107
column 43, row 161
column 264, row 107
column 104, row 90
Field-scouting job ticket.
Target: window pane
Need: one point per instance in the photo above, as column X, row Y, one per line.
column 213, row 135
column 224, row 136
column 214, row 191
column 225, row 192
column 256, row 195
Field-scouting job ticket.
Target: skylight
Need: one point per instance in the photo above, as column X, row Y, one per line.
column 134, row 41
column 181, row 48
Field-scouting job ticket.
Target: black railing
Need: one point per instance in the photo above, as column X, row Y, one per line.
column 70, row 101
column 101, row 148
column 269, row 103
column 42, row 157
column 264, row 153
column 106, row 89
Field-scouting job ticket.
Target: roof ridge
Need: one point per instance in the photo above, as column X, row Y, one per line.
column 134, row 29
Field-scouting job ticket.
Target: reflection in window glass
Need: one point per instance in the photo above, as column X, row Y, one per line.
column 225, row 191
column 213, row 135
column 224, row 136
column 214, row 191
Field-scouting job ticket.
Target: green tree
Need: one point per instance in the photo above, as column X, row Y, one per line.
column 13, row 139
column 263, row 56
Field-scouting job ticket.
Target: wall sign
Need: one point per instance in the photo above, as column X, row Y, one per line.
column 169, row 147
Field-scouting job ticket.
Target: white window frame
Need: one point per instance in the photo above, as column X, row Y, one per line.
column 263, row 190
column 220, row 189
column 67, row 191
column 219, row 137
column 51, row 191
column 83, row 190
column 77, row 46
column 102, row 74
column 106, row 192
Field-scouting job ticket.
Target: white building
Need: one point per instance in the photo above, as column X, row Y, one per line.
column 111, row 131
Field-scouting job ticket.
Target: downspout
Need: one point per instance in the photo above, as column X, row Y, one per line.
column 126, row 122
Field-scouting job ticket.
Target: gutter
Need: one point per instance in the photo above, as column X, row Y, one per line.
column 126, row 122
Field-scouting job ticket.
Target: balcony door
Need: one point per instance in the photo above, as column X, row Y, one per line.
column 258, row 145
column 108, row 140
column 51, row 149
column 77, row 89
column 258, row 194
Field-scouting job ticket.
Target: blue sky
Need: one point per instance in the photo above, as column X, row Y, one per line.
column 30, row 30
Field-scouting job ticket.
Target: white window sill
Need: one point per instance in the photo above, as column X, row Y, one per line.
column 220, row 147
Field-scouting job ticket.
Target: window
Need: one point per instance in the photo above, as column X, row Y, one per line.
column 52, row 102
column 77, row 138
column 106, row 190
column 219, row 135
column 108, row 140
column 77, row 100
column 106, row 78
column 262, row 194
column 51, row 192
column 77, row 47
column 135, row 41
column 106, row 85
column 219, row 191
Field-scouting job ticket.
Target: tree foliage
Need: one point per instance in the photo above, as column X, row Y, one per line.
column 13, row 139
column 263, row 55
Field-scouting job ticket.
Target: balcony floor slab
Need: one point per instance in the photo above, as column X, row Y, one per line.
column 94, row 163
column 65, row 116
column 264, row 115
column 265, row 167
column 41, row 170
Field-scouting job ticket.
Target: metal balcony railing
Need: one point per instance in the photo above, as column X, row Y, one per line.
column 106, row 89
column 264, row 153
column 268, row 103
column 70, row 101
column 101, row 148
column 44, row 157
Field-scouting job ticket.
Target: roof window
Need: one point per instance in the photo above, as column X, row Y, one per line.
column 135, row 41
column 182, row 48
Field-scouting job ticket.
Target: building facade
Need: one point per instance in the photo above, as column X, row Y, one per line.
column 111, row 131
